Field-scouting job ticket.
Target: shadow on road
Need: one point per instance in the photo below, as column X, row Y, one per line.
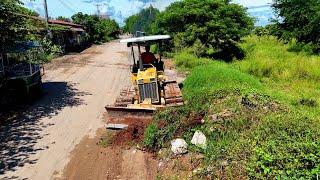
column 20, row 124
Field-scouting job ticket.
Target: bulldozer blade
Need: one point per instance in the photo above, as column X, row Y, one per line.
column 130, row 109
column 122, row 114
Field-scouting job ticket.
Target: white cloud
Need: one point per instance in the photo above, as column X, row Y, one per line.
column 253, row 2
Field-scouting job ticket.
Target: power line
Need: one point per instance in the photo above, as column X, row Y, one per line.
column 71, row 5
column 67, row 6
column 98, row 8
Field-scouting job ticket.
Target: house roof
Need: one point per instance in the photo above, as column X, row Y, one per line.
column 64, row 23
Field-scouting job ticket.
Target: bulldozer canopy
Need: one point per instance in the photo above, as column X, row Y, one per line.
column 144, row 40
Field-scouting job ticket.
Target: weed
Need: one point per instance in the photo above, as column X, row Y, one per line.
column 105, row 139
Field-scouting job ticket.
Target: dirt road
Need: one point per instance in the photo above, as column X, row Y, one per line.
column 37, row 143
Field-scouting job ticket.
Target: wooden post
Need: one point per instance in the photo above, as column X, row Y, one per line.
column 160, row 50
column 134, row 58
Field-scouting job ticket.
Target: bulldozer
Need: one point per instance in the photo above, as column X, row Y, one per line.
column 151, row 89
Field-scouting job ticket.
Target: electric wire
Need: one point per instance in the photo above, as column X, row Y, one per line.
column 67, row 6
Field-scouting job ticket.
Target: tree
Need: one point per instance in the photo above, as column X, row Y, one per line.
column 99, row 30
column 212, row 27
column 61, row 18
column 300, row 20
column 19, row 24
column 15, row 23
column 142, row 21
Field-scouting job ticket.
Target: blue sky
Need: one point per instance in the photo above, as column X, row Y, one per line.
column 120, row 9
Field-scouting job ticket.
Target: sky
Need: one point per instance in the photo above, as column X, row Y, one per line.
column 120, row 9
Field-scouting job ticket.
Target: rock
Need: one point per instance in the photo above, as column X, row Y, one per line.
column 199, row 139
column 160, row 164
column 213, row 117
column 224, row 163
column 179, row 146
column 197, row 171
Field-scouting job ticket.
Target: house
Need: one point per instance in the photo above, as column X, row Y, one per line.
column 71, row 37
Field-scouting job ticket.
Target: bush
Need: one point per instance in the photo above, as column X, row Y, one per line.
column 99, row 30
column 299, row 20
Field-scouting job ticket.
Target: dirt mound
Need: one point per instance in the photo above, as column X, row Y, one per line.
column 133, row 134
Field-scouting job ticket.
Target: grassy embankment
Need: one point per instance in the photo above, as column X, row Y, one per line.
column 261, row 114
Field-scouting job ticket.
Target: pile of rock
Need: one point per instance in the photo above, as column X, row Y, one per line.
column 180, row 146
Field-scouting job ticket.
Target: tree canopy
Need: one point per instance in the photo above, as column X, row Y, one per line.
column 300, row 20
column 99, row 30
column 211, row 27
column 61, row 18
column 16, row 23
column 141, row 21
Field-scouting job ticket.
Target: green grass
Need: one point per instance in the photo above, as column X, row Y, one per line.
column 268, row 57
column 186, row 62
column 268, row 123
column 106, row 139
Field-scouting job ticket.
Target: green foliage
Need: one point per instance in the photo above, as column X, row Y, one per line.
column 15, row 25
column 286, row 147
column 280, row 64
column 106, row 139
column 186, row 61
column 50, row 50
column 300, row 20
column 99, row 30
column 38, row 55
column 61, row 18
column 141, row 21
column 209, row 24
column 150, row 136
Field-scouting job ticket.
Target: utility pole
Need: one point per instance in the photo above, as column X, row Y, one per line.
column 98, row 9
column 46, row 10
column 49, row 35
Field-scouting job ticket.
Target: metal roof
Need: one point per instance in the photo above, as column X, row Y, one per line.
column 65, row 23
column 145, row 39
column 21, row 47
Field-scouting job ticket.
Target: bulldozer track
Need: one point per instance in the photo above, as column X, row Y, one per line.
column 173, row 95
column 125, row 97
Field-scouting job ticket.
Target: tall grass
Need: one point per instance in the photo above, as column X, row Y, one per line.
column 292, row 76
column 185, row 61
column 268, row 57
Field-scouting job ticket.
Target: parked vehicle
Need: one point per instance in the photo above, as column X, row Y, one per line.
column 18, row 70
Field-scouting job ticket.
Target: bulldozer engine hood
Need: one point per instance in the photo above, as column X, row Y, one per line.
column 146, row 76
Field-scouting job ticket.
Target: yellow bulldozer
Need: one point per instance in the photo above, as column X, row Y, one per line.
column 151, row 89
